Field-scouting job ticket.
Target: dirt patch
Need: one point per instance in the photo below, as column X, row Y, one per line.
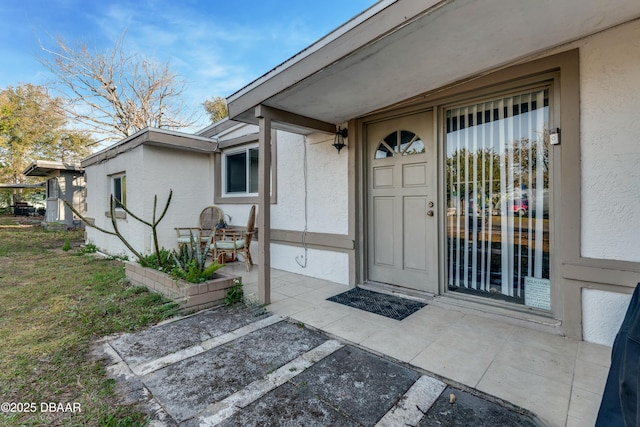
column 189, row 386
column 170, row 337
column 470, row 410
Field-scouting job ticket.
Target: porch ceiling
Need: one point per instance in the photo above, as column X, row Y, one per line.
column 401, row 48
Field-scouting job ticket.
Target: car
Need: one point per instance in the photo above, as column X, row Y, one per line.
column 520, row 206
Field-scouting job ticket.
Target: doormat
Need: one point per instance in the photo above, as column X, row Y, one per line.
column 374, row 302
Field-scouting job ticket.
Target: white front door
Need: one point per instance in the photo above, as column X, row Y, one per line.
column 402, row 211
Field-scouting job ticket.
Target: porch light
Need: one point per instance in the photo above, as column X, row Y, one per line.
column 338, row 142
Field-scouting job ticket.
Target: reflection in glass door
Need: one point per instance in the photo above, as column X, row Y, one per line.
column 497, row 187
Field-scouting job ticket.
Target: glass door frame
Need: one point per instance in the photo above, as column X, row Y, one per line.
column 548, row 81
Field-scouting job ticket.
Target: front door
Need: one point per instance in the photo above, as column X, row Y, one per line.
column 402, row 211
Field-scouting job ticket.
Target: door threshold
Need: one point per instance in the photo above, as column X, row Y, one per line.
column 515, row 317
column 399, row 291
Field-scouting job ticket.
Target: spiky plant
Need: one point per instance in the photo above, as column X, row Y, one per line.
column 190, row 262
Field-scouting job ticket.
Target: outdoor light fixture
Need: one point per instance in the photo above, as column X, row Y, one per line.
column 338, row 142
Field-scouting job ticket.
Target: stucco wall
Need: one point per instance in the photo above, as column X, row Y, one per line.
column 602, row 313
column 189, row 175
column 609, row 134
column 149, row 171
column 610, row 141
column 327, row 204
column 98, row 191
column 326, row 185
column 326, row 265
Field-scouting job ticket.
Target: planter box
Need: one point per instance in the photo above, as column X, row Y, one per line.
column 190, row 296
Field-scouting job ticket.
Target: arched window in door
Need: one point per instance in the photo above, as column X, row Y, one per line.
column 400, row 142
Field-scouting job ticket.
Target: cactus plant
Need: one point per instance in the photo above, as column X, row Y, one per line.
column 113, row 202
column 190, row 262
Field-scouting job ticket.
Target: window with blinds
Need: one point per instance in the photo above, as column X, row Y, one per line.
column 497, row 179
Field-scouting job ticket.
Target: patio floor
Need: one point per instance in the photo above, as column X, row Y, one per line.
column 559, row 379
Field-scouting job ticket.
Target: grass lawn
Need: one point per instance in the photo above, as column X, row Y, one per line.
column 53, row 304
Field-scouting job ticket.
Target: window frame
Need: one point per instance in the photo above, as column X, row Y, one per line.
column 122, row 177
column 246, row 149
column 236, row 145
column 549, row 82
column 524, row 77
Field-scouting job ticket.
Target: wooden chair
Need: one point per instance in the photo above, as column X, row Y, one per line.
column 210, row 217
column 234, row 242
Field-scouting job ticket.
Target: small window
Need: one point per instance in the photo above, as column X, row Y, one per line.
column 119, row 189
column 401, row 142
column 236, row 170
column 241, row 172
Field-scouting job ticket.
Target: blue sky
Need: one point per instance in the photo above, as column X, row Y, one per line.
column 216, row 46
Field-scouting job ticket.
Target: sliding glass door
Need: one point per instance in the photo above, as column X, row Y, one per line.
column 497, row 190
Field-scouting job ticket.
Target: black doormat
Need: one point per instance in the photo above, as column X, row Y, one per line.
column 374, row 302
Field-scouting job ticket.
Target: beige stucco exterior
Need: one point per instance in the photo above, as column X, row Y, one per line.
column 150, row 170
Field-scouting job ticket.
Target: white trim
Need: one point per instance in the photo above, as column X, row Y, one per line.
column 237, row 150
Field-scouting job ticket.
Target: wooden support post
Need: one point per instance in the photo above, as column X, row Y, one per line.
column 264, row 206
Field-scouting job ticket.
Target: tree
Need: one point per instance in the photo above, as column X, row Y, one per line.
column 114, row 93
column 216, row 107
column 33, row 127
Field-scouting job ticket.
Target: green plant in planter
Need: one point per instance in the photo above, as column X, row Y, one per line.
column 163, row 260
column 235, row 293
column 189, row 263
column 191, row 252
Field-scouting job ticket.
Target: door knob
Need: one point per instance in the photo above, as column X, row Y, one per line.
column 430, row 213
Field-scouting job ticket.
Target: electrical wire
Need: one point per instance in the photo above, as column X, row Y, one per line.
column 304, row 233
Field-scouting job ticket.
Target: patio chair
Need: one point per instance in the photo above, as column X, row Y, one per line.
column 210, row 217
column 234, row 242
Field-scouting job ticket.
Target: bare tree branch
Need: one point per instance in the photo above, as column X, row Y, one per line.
column 116, row 93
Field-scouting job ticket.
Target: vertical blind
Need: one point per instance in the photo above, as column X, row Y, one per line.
column 497, row 194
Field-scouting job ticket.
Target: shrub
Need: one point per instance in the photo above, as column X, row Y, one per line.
column 160, row 261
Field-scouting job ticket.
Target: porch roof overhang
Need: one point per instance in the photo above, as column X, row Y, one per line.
column 49, row 168
column 398, row 49
column 22, row 186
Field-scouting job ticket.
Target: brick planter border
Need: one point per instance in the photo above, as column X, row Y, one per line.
column 190, row 296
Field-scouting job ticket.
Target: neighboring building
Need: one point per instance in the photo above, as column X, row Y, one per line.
column 491, row 158
column 149, row 163
column 65, row 182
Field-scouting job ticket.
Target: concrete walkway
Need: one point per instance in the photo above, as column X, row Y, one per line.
column 309, row 361
column 558, row 379
column 231, row 366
